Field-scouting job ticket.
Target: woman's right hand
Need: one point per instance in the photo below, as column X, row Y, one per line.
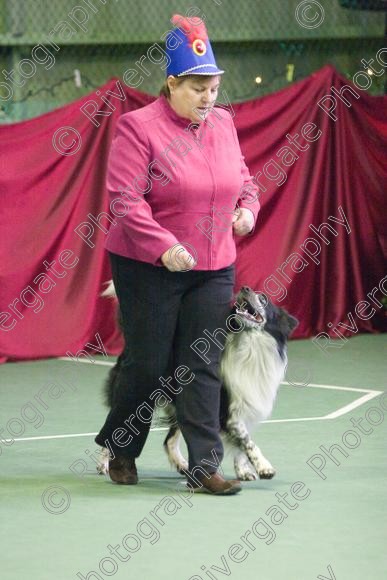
column 177, row 259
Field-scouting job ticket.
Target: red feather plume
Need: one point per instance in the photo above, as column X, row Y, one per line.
column 193, row 27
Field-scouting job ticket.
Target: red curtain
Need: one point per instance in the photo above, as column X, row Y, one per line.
column 332, row 173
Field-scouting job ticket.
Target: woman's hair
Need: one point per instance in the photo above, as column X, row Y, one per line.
column 179, row 80
column 165, row 88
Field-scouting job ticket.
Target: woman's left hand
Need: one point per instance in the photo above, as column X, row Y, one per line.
column 243, row 221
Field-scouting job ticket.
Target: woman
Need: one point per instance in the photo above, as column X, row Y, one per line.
column 178, row 165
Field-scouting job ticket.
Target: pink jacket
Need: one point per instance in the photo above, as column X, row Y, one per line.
column 172, row 182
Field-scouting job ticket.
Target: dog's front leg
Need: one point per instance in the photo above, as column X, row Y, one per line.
column 172, row 449
column 239, row 436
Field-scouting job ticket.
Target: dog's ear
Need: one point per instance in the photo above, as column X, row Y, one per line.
column 287, row 322
column 293, row 322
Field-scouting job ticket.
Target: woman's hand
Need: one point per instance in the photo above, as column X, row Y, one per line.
column 177, row 259
column 243, row 221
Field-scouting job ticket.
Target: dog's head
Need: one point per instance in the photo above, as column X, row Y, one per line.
column 257, row 311
column 251, row 308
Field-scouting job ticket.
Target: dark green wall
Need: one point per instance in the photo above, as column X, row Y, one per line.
column 250, row 37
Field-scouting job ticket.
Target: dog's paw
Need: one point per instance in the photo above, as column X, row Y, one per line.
column 181, row 467
column 103, row 465
column 102, row 469
column 266, row 472
column 243, row 468
column 178, row 462
column 246, row 474
column 175, row 457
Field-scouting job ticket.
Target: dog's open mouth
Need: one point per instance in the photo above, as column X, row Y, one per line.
column 256, row 317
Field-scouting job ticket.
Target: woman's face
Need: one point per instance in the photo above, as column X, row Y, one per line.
column 194, row 97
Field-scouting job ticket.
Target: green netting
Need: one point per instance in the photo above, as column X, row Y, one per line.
column 54, row 51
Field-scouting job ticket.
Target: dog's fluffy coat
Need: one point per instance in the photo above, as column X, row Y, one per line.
column 253, row 363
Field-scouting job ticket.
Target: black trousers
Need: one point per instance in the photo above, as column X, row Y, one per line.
column 163, row 315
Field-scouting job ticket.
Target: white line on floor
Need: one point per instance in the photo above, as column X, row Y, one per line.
column 334, row 387
column 357, row 403
column 370, row 394
column 338, row 413
column 314, row 385
column 70, row 435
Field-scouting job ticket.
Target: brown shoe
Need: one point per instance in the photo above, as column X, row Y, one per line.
column 216, row 485
column 123, row 470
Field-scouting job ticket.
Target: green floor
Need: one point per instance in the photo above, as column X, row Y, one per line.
column 337, row 531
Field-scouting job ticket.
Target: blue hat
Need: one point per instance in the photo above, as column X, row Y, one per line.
column 189, row 48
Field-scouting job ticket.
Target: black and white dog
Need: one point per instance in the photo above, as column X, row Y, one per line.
column 252, row 366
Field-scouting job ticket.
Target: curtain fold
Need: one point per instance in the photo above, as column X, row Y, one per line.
column 53, row 264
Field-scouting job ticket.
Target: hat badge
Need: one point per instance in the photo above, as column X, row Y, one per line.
column 199, row 47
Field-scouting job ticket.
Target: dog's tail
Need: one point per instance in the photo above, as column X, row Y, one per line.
column 110, row 384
